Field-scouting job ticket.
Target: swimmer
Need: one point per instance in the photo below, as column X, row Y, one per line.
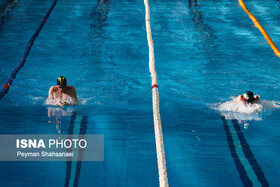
column 247, row 98
column 62, row 92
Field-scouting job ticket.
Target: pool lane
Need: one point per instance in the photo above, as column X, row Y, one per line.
column 96, row 46
column 206, row 54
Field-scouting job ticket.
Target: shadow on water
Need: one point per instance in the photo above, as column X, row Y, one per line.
column 206, row 39
column 96, row 35
column 99, row 17
column 4, row 11
column 278, row 3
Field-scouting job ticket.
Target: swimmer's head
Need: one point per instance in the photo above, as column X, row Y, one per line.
column 248, row 97
column 61, row 81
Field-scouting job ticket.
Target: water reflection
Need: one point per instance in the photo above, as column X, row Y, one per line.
column 58, row 113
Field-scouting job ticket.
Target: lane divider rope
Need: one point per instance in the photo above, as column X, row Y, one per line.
column 258, row 25
column 6, row 87
column 162, row 170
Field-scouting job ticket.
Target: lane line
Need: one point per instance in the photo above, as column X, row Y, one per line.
column 75, row 135
column 77, row 130
column 249, row 155
column 234, row 153
column 240, row 153
column 246, row 164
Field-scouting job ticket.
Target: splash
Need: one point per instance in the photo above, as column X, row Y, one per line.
column 232, row 110
column 83, row 101
column 69, row 101
column 36, row 100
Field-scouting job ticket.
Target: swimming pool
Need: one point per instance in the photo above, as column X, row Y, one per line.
column 205, row 55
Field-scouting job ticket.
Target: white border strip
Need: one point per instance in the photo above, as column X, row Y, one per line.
column 162, row 170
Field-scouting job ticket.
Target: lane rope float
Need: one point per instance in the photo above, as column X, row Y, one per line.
column 258, row 25
column 154, row 86
column 162, row 170
column 6, row 87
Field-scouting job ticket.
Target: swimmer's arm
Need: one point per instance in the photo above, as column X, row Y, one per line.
column 50, row 93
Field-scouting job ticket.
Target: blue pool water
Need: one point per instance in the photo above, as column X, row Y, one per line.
column 205, row 55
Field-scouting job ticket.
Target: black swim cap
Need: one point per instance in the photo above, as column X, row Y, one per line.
column 248, row 97
column 61, row 81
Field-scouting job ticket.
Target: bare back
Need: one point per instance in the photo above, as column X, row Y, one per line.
column 62, row 94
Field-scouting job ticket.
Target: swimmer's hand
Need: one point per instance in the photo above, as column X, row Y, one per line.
column 62, row 104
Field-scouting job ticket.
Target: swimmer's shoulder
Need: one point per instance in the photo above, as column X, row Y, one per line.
column 53, row 88
column 239, row 99
column 71, row 88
